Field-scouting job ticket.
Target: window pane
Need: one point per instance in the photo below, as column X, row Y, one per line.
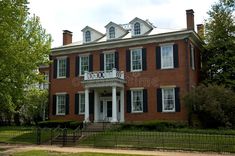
column 137, row 28
column 137, row 101
column 167, row 56
column 88, row 36
column 82, row 104
column 84, row 64
column 61, row 67
column 136, row 59
column 168, row 99
column 111, row 32
column 61, row 104
column 109, row 61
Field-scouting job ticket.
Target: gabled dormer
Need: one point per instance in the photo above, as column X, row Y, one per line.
column 91, row 35
column 114, row 31
column 140, row 27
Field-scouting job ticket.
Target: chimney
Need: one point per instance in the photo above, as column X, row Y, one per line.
column 190, row 19
column 200, row 30
column 67, row 37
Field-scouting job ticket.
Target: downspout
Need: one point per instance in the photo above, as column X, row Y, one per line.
column 187, row 77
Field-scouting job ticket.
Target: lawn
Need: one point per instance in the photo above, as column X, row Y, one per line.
column 50, row 153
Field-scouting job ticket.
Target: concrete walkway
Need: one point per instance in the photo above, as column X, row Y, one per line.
column 17, row 148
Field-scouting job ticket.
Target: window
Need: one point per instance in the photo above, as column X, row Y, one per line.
column 136, row 59
column 88, row 36
column 168, row 99
column 109, row 62
column 61, row 68
column 60, row 104
column 46, row 78
column 81, row 103
column 111, row 32
column 84, row 65
column 192, row 57
column 137, row 101
column 167, row 56
column 137, row 28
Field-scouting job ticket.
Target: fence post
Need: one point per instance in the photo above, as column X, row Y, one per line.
column 64, row 136
column 38, row 133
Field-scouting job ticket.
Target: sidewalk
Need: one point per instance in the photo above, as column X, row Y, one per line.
column 16, row 148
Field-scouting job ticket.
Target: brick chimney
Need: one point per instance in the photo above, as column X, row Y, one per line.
column 190, row 19
column 200, row 30
column 67, row 37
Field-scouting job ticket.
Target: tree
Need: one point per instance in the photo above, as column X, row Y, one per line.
column 219, row 55
column 214, row 106
column 24, row 45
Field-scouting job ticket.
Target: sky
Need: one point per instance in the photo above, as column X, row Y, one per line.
column 74, row 15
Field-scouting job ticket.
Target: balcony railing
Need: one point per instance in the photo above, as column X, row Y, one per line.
column 98, row 75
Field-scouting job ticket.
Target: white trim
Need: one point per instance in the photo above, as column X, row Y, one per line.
column 137, row 88
column 80, row 92
column 167, row 86
column 61, row 57
column 141, row 103
column 84, row 54
column 108, row 51
column 132, row 48
column 136, row 70
column 166, row 44
column 163, row 100
column 60, row 93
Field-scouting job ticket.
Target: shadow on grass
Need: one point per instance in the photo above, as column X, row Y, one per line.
column 27, row 138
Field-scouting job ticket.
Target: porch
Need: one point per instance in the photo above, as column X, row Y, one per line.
column 108, row 87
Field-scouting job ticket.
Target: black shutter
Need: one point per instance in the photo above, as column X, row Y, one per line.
column 101, row 62
column 91, row 103
column 144, row 63
column 177, row 99
column 76, row 104
column 128, row 60
column 128, row 101
column 90, row 63
column 158, row 57
column 55, row 69
column 67, row 104
column 116, row 60
column 159, row 100
column 67, row 68
column 54, row 105
column 77, row 66
column 175, row 55
column 145, row 100
column 190, row 55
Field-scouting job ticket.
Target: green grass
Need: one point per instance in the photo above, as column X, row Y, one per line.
column 50, row 153
column 162, row 140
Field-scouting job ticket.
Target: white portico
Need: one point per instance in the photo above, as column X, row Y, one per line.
column 108, row 90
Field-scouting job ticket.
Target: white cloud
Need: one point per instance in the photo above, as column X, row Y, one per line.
column 74, row 15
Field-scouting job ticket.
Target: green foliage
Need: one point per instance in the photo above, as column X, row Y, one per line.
column 61, row 123
column 214, row 106
column 24, row 45
column 153, row 125
column 218, row 59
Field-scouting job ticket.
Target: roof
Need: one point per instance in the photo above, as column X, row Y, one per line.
column 87, row 27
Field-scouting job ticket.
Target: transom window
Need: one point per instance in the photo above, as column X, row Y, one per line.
column 81, row 103
column 84, row 64
column 168, row 99
column 167, row 56
column 137, row 101
column 137, row 28
column 111, row 32
column 60, row 104
column 136, row 59
column 61, row 68
column 88, row 36
column 109, row 61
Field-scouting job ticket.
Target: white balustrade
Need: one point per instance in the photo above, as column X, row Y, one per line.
column 97, row 75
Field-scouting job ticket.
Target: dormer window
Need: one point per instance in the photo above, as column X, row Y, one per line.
column 88, row 36
column 137, row 28
column 111, row 32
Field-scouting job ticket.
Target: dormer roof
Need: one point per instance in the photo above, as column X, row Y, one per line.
column 91, row 29
column 114, row 24
column 136, row 19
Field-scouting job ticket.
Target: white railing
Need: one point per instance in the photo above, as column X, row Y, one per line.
column 97, row 75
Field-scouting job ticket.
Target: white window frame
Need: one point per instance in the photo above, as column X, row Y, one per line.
column 192, row 57
column 132, row 101
column 112, row 34
column 172, row 56
column 163, row 99
column 80, row 64
column 136, row 30
column 107, row 53
column 58, row 67
column 57, row 103
column 141, row 58
column 80, row 102
column 88, row 38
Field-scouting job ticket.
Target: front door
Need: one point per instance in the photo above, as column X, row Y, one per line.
column 109, row 109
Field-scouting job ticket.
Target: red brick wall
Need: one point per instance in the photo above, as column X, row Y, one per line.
column 151, row 79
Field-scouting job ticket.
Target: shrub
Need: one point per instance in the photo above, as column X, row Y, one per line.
column 213, row 106
column 61, row 123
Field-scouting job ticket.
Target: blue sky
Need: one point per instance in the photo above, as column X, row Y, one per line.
column 74, row 15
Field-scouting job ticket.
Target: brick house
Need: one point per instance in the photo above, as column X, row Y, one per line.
column 133, row 72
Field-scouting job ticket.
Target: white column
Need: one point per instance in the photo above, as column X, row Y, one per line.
column 86, row 119
column 114, row 106
column 96, row 115
column 122, row 119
